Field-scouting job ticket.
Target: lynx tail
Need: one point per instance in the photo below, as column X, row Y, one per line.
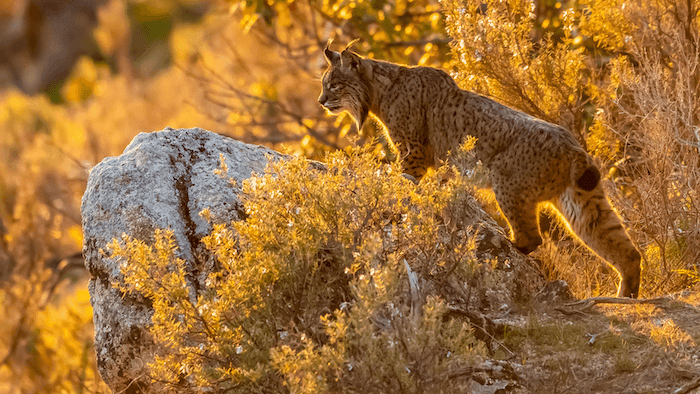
column 584, row 174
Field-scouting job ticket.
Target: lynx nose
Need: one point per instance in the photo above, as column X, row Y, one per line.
column 322, row 98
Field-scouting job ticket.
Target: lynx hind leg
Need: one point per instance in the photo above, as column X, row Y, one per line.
column 594, row 221
column 522, row 217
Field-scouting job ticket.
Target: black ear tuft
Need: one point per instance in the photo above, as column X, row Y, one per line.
column 332, row 57
column 351, row 44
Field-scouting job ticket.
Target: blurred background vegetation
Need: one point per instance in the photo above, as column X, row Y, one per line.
column 624, row 76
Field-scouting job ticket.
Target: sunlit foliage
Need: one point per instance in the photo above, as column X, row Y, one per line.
column 39, row 195
column 46, row 150
column 651, row 107
column 495, row 56
column 311, row 292
column 45, row 345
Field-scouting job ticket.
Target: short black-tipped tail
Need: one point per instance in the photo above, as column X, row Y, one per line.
column 584, row 174
column 589, row 179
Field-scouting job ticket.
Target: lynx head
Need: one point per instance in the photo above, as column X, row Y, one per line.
column 347, row 84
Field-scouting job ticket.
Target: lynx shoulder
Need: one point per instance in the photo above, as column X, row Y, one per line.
column 426, row 115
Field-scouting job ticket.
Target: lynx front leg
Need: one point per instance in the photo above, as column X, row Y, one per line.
column 522, row 217
column 414, row 159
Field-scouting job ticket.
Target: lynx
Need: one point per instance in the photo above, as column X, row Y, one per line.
column 426, row 115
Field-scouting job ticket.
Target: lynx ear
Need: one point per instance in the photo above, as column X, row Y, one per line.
column 355, row 63
column 350, row 59
column 332, row 57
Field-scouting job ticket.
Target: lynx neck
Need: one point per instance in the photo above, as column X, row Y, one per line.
column 383, row 76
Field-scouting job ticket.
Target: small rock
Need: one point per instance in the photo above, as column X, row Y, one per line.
column 555, row 292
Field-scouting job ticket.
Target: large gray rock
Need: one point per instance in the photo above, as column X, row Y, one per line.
column 162, row 180
column 165, row 179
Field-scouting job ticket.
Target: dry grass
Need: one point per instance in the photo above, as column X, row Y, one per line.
column 610, row 348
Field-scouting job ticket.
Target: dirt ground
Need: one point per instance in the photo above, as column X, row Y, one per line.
column 649, row 346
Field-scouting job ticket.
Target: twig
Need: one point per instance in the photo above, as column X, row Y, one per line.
column 482, row 322
column 571, row 312
column 434, row 41
column 688, row 387
column 684, row 373
column 589, row 302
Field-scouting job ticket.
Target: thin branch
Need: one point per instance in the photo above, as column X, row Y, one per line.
column 589, row 302
column 434, row 41
column 474, row 317
column 688, row 387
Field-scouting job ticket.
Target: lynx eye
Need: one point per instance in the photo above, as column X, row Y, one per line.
column 333, row 88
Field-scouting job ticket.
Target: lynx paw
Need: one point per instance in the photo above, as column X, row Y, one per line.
column 629, row 287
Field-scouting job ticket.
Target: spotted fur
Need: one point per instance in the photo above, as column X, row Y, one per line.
column 426, row 115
